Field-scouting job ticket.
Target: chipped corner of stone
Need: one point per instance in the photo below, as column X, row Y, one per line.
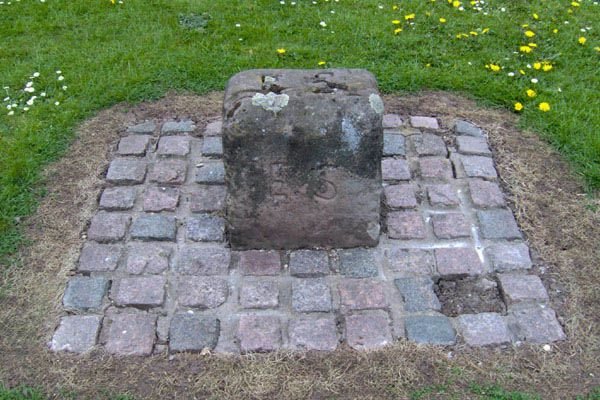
column 376, row 103
column 271, row 101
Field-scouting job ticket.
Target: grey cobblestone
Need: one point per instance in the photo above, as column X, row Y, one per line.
column 424, row 122
column 429, row 145
column 168, row 172
column 154, row 227
column 212, row 146
column 450, row 226
column 362, row 294
column 518, row 288
column 172, row 127
column 417, row 293
column 118, row 198
column 400, row 196
column 211, row 173
column 158, row 199
column 406, row 225
column 368, row 331
column 485, row 194
column 208, row 198
column 126, row 171
column 205, row 228
column 99, row 257
column 131, row 334
column 259, row 333
column 508, row 257
column 108, row 227
column 395, row 170
column 262, row 293
column 309, row 263
column 467, row 128
column 391, row 121
column 478, row 167
column 473, row 145
column 358, row 263
column 173, row 146
column 147, row 127
column 536, row 325
column 77, row 333
column 498, row 224
column 435, row 168
column 134, row 145
column 394, row 145
column 311, row 295
column 139, row 291
column 483, row 329
column 313, row 333
column 85, row 292
column 411, row 261
column 147, row 258
column 443, row 195
column 213, row 128
column 191, row 332
column 203, row 261
column 259, row 262
column 202, row 291
column 458, row 262
column 430, row 329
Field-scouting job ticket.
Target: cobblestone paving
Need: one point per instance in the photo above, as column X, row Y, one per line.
column 156, row 272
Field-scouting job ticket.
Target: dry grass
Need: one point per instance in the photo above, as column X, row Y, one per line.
column 559, row 221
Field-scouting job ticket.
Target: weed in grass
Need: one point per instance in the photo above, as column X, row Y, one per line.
column 493, row 392
column 20, row 393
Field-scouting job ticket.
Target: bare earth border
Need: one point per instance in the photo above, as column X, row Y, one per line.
column 561, row 224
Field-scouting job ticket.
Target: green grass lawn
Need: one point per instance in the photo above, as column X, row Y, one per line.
column 138, row 49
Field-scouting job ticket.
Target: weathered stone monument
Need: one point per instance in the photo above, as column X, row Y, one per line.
column 302, row 153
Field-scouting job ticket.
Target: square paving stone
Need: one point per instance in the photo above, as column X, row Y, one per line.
column 311, row 295
column 309, row 263
column 208, row 198
column 395, row 170
column 313, row 333
column 134, row 145
column 486, row 194
column 205, row 228
column 169, row 171
column 158, row 199
column 435, row 168
column 259, row 294
column 214, row 128
column 203, row 261
column 77, row 333
column 211, row 173
column 424, row 122
column 202, row 291
column 391, row 121
column 417, row 294
column 99, row 257
column 478, row 167
column 518, row 288
column 362, row 294
column 131, row 334
column 400, row 196
column 139, row 291
column 118, row 198
column 483, row 329
column 147, row 127
column 193, row 333
column 429, row 145
column 406, row 225
column 212, row 146
column 536, row 325
column 171, row 127
column 450, row 226
column 508, row 257
column 259, row 262
column 442, row 195
column 430, row 329
column 467, row 128
column 173, row 146
column 126, row 171
column 394, row 144
column 154, row 227
column 368, row 331
column 359, row 262
column 108, row 227
column 411, row 261
column 458, row 262
column 498, row 224
column 473, row 145
column 147, row 258
column 85, row 292
column 259, row 333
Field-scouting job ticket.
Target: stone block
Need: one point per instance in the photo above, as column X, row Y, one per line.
column 394, row 145
column 173, row 146
column 303, row 161
column 158, row 199
column 368, row 331
column 313, row 333
column 126, row 171
column 76, row 333
column 361, row 294
column 467, row 128
column 85, row 292
column 410, row 261
column 428, row 144
column 311, row 295
column 205, row 228
column 259, row 262
column 309, row 263
column 435, row 168
column 536, row 325
column 424, row 122
column 139, row 291
column 202, row 291
column 168, row 172
column 406, row 225
column 458, row 262
column 212, row 146
column 131, row 334
column 359, row 263
column 154, row 227
column 118, row 198
column 203, row 261
column 443, row 195
column 108, row 227
column 263, row 293
column 450, row 226
column 478, row 167
column 473, row 145
column 417, row 294
column 519, row 288
column 99, row 257
column 211, row 173
column 193, row 333
column 483, row 329
column 391, row 121
column 430, row 329
column 173, row 127
column 147, row 258
column 395, row 170
column 214, row 128
column 400, row 196
column 259, row 333
column 508, row 257
column 498, row 224
column 485, row 194
column 208, row 198
column 147, row 127
column 134, row 145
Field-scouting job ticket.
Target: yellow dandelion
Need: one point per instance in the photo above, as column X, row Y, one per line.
column 518, row 106
column 533, row 45
column 394, row 7
column 281, row 51
column 531, row 93
column 522, row 72
column 396, row 22
column 547, row 67
column 321, row 63
column 582, row 40
column 597, row 48
column 535, row 16
column 529, row 33
column 443, row 20
column 554, row 30
column 456, row 4
column 575, row 4
column 397, row 31
column 473, row 33
column 537, row 65
column 544, row 106
column 485, row 30
column 495, row 67
column 408, row 17
column 525, row 49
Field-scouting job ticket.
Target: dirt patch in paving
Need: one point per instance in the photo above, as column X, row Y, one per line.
column 561, row 224
column 469, row 296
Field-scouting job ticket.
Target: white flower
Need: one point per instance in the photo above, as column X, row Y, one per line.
column 511, row 74
column 237, row 25
column 64, row 87
column 61, row 78
column 36, row 74
column 29, row 90
column 29, row 84
column 56, row 103
column 58, row 72
column 323, row 24
column 43, row 94
column 30, row 102
column 6, row 99
column 8, row 107
column 11, row 113
column 25, row 108
column 534, row 80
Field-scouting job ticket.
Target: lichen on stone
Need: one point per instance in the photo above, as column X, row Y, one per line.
column 271, row 101
column 376, row 103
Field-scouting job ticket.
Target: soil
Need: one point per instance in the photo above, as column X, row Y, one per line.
column 469, row 296
column 561, row 224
